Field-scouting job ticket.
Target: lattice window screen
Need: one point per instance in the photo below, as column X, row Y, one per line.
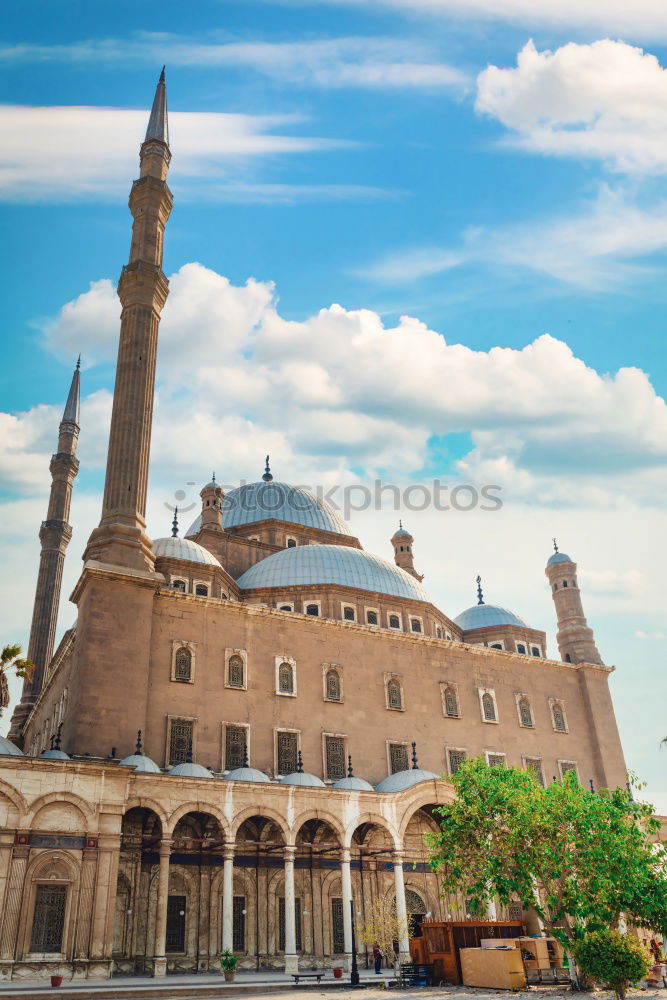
column 183, row 664
column 285, row 678
column 333, row 685
column 337, row 927
column 287, row 752
column 451, row 703
column 238, row 930
column 535, row 764
column 456, row 758
column 525, row 713
column 49, row 919
column 335, row 757
column 394, row 694
column 235, row 744
column 180, row 741
column 398, row 757
column 488, row 707
column 236, row 671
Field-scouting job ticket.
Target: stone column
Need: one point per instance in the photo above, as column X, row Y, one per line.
column 12, row 907
column 86, row 894
column 401, row 910
column 346, row 884
column 228, row 898
column 159, row 957
column 291, row 957
column 103, row 912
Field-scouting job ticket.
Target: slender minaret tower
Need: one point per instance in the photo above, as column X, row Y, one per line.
column 212, row 496
column 54, row 535
column 121, row 538
column 402, row 541
column 575, row 639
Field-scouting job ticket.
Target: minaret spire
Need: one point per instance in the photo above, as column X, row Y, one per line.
column 54, row 534
column 121, row 539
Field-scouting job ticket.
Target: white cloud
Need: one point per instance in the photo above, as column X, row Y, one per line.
column 75, row 152
column 640, row 634
column 605, row 101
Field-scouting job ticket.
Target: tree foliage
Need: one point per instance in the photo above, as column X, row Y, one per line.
column 592, row 855
column 612, row 959
column 10, row 659
column 383, row 926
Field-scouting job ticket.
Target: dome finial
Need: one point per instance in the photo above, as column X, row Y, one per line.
column 213, row 477
column 299, row 763
column 267, row 477
column 555, row 545
column 350, row 772
column 59, row 737
column 78, row 363
column 246, row 760
column 400, row 524
column 174, row 524
column 480, row 595
column 415, row 765
column 139, row 747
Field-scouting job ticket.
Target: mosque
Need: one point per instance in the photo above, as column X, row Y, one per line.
column 241, row 742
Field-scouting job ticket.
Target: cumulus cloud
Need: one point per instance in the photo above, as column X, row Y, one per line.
column 605, row 101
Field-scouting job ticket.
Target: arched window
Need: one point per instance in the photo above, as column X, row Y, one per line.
column 285, row 607
column 438, row 632
column 183, row 664
column 496, row 645
column 415, row 625
column 559, row 718
column 565, row 583
column 333, row 685
column 394, row 621
column 178, row 585
column 371, row 618
column 535, row 651
column 568, row 658
column 286, row 678
column 413, row 902
column 312, row 609
column 48, row 923
column 520, row 648
column 394, row 697
column 525, row 713
column 348, row 614
column 291, row 543
column 488, row 707
column 236, row 671
column 201, row 590
column 451, row 703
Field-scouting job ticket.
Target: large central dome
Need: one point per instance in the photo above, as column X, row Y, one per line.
column 263, row 501
column 337, row 565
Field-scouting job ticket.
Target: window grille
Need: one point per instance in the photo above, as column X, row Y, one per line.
column 238, row 924
column 525, row 713
column 413, row 902
column 49, row 919
column 291, row 543
column 337, row 927
column 183, row 664
column 348, row 614
column 281, row 923
column 394, row 699
column 180, row 741
column 285, row 678
column 371, row 618
column 488, row 707
column 178, row 585
column 520, row 648
column 335, row 757
column 456, row 758
column 514, row 911
column 236, row 671
column 416, row 625
column 394, row 621
column 287, row 752
column 285, row 607
column 175, row 938
column 559, row 719
column 451, row 703
column 496, row 760
column 534, row 764
column 201, row 590
column 333, row 685
column 567, row 766
column 312, row 609
column 535, row 651
column 235, row 745
column 398, row 757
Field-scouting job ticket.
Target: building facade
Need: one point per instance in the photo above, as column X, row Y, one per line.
column 242, row 741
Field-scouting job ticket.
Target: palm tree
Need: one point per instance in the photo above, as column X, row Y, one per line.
column 10, row 659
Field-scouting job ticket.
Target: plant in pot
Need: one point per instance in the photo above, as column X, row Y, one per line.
column 56, row 980
column 228, row 963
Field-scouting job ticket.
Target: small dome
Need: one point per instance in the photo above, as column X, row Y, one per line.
column 140, row 762
column 54, row 754
column 190, row 770
column 557, row 557
column 246, row 774
column 184, row 549
column 9, row 749
column 486, row 616
column 352, row 784
column 302, row 778
column 401, row 533
column 405, row 779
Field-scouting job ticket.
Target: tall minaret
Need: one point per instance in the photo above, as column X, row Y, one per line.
column 121, row 536
column 402, row 541
column 575, row 639
column 54, row 535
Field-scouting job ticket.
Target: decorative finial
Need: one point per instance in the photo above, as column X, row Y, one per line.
column 299, row 763
column 139, row 747
column 415, row 766
column 400, row 524
column 53, row 741
column 350, row 772
column 59, row 737
column 246, row 760
column 162, row 75
column 188, row 756
column 174, row 524
column 590, row 782
column 555, row 545
column 480, row 595
column 267, row 477
column 78, row 363
column 213, row 477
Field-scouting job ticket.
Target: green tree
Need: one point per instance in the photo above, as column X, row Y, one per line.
column 593, row 856
column 383, row 926
column 612, row 959
column 10, row 659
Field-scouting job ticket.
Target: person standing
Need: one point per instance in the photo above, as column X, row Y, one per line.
column 377, row 958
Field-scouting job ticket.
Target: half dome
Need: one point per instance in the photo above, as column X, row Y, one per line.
column 486, row 616
column 140, row 762
column 184, row 549
column 401, row 780
column 312, row 565
column 190, row 770
column 247, row 774
column 557, row 557
column 9, row 749
column 262, row 501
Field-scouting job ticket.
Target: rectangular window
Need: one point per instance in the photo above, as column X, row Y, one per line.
column 495, row 759
column 456, row 758
column 534, row 764
column 180, row 741
column 281, row 923
column 337, row 927
column 566, row 766
column 49, row 920
column 287, row 745
column 398, row 757
column 235, row 746
column 335, row 757
column 238, row 937
column 175, row 939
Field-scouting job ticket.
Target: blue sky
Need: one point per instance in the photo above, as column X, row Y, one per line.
column 495, row 177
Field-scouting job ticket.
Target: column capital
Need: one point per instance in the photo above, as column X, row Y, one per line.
column 289, row 852
column 398, row 857
column 345, row 856
column 229, row 850
column 165, row 847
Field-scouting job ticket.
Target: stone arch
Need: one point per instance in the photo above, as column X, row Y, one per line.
column 206, row 808
column 15, row 797
column 53, row 864
column 152, row 805
column 371, row 819
column 265, row 812
column 61, row 812
column 420, row 798
column 321, row 816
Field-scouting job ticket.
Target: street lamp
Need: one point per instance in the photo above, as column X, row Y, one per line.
column 354, row 972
